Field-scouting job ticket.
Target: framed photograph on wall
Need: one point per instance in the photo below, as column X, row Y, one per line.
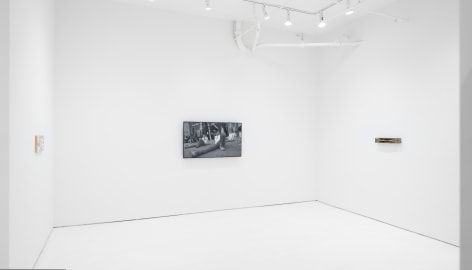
column 212, row 139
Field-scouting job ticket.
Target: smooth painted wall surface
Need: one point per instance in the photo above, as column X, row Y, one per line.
column 31, row 97
column 466, row 135
column 4, row 130
column 128, row 76
column 403, row 81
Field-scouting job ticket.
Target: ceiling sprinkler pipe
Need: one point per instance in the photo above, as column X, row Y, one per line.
column 256, row 39
column 238, row 36
column 304, row 45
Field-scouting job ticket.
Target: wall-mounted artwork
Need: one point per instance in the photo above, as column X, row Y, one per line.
column 212, row 139
column 38, row 144
column 388, row 140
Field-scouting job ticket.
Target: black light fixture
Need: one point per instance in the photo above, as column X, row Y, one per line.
column 322, row 23
column 266, row 14
column 207, row 5
column 288, row 22
column 349, row 10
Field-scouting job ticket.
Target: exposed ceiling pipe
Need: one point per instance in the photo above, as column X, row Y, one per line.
column 394, row 18
column 242, row 34
column 239, row 34
column 304, row 45
column 255, row 44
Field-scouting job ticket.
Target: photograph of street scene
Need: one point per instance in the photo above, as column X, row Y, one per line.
column 212, row 139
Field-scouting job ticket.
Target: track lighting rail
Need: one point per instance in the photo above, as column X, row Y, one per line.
column 295, row 9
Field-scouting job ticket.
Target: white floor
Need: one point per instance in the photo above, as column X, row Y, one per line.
column 290, row 237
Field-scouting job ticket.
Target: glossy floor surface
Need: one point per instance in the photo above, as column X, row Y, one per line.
column 294, row 236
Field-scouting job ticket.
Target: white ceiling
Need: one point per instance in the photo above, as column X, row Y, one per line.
column 241, row 10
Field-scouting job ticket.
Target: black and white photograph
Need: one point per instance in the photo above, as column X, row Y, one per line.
column 212, row 139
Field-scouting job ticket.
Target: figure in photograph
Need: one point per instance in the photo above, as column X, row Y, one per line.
column 222, row 138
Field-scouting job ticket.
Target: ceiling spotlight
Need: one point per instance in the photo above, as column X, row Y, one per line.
column 288, row 22
column 322, row 23
column 349, row 10
column 266, row 15
column 207, row 5
column 151, row 1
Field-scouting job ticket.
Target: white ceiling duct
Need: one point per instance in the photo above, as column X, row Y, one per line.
column 239, row 33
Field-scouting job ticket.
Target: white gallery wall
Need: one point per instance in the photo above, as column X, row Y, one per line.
column 403, row 81
column 31, row 96
column 128, row 76
column 4, row 130
column 466, row 134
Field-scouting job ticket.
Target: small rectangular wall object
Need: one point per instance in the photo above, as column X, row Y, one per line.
column 388, row 140
column 38, row 144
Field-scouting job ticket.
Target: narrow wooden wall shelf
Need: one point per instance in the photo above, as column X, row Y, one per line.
column 388, row 140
